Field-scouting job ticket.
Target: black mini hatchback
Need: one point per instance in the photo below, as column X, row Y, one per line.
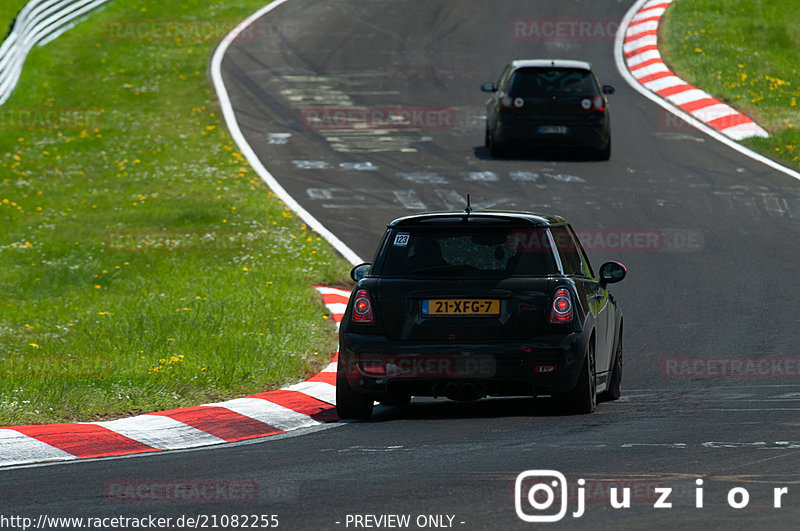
column 472, row 304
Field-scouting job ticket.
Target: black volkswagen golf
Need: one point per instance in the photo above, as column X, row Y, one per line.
column 548, row 103
column 472, row 304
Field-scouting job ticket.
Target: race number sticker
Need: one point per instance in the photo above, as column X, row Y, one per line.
column 401, row 239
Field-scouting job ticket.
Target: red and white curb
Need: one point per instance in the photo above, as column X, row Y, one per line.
column 302, row 405
column 640, row 50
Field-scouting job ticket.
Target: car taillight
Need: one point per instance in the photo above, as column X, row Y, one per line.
column 594, row 104
column 562, row 307
column 362, row 308
column 509, row 102
column 374, row 367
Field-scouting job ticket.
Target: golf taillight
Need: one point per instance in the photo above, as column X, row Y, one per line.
column 562, row 307
column 597, row 103
column 509, row 102
column 362, row 308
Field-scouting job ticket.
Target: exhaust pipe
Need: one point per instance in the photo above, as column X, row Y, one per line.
column 464, row 392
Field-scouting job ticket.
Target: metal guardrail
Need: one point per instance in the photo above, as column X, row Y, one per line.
column 39, row 22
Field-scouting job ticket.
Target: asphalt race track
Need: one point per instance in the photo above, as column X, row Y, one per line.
column 717, row 283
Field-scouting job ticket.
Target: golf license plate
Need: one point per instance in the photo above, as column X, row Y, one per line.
column 450, row 307
column 554, row 129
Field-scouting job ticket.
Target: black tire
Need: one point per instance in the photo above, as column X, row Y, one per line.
column 495, row 150
column 605, row 153
column 614, row 390
column 582, row 399
column 396, row 401
column 350, row 404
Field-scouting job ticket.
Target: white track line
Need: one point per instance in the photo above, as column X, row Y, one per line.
column 247, row 150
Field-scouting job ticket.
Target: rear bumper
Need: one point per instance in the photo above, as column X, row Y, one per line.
column 583, row 134
column 382, row 368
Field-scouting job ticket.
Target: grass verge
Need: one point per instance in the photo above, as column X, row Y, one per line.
column 8, row 12
column 145, row 265
column 744, row 53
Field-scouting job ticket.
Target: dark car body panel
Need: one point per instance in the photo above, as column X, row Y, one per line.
column 507, row 353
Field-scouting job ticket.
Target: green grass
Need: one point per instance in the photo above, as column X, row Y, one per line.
column 97, row 318
column 744, row 52
column 9, row 10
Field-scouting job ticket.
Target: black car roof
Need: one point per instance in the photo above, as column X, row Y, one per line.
column 483, row 217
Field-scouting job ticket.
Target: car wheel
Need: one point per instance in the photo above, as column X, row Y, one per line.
column 583, row 397
column 614, row 390
column 495, row 150
column 486, row 138
column 396, row 401
column 350, row 404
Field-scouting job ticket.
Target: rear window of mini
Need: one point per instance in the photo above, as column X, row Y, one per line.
column 493, row 252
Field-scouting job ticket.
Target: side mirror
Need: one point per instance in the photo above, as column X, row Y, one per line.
column 360, row 271
column 488, row 87
column 608, row 89
column 612, row 272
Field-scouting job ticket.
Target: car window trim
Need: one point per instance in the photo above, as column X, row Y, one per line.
column 554, row 250
column 582, row 253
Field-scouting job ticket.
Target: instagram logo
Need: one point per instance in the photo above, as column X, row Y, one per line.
column 541, row 489
column 542, row 495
